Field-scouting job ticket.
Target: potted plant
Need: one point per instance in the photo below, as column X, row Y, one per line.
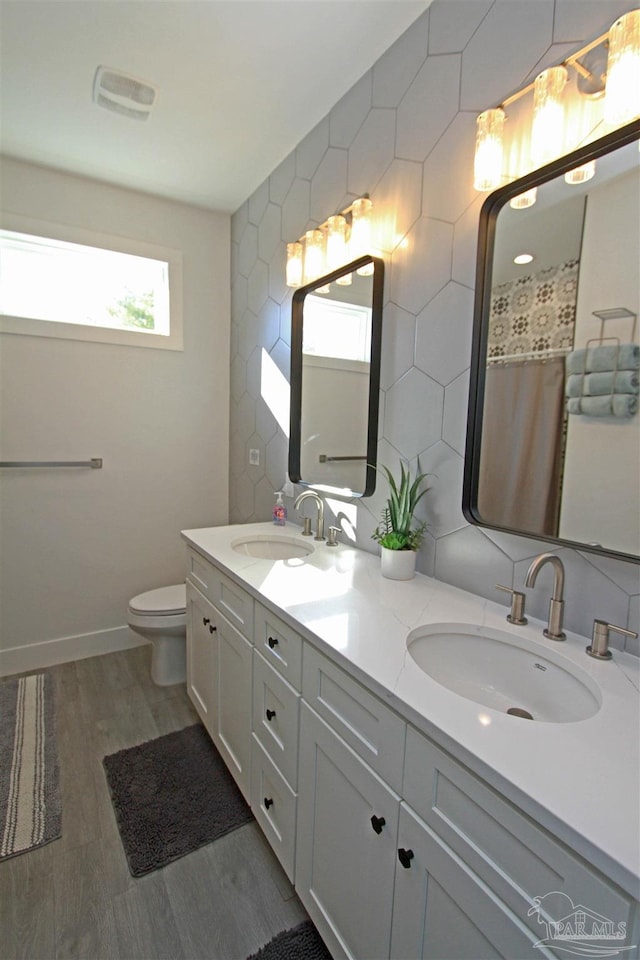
column 398, row 534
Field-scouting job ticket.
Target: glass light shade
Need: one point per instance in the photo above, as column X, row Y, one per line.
column 622, row 93
column 487, row 168
column 581, row 174
column 524, row 200
column 336, row 242
column 360, row 242
column 313, row 255
column 547, row 128
column 294, row 264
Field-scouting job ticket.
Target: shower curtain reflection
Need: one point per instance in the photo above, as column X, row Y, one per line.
column 522, row 442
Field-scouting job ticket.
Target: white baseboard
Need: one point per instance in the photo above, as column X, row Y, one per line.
column 48, row 653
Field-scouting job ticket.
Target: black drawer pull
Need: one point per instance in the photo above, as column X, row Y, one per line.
column 205, row 621
column 270, row 715
column 272, row 641
column 268, row 803
column 405, row 857
column 212, row 629
column 377, row 823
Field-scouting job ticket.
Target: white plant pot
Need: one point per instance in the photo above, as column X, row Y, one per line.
column 398, row 564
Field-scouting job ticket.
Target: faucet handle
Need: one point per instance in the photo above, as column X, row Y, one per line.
column 331, row 539
column 516, row 614
column 599, row 646
column 306, row 532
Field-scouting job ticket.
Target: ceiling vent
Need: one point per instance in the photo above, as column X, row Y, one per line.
column 123, row 94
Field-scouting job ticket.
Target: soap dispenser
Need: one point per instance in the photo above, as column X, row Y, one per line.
column 279, row 510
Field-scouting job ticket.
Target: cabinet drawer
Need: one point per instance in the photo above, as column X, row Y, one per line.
column 229, row 598
column 518, row 859
column 273, row 804
column 279, row 644
column 275, row 718
column 370, row 728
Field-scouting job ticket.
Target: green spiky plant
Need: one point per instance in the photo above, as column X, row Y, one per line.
column 397, row 530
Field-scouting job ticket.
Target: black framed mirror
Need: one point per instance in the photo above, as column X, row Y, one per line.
column 336, row 335
column 553, row 432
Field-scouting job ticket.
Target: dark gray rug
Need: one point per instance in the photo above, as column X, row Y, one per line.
column 171, row 796
column 30, row 805
column 301, row 943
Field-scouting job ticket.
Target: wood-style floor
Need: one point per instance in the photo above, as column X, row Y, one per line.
column 75, row 897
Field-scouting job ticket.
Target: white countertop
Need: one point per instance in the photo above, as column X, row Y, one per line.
column 581, row 780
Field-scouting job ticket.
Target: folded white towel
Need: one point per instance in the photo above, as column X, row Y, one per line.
column 600, row 384
column 626, row 356
column 614, row 405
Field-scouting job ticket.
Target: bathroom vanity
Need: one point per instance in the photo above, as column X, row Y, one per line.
column 413, row 821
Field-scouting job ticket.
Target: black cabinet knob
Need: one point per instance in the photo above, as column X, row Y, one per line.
column 205, row 621
column 405, row 857
column 270, row 715
column 377, row 823
column 212, row 629
column 272, row 641
column 268, row 803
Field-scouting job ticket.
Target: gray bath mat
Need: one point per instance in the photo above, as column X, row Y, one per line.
column 30, row 806
column 301, row 943
column 171, row 796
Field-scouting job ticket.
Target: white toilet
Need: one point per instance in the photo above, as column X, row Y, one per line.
column 160, row 617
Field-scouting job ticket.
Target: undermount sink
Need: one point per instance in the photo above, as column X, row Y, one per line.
column 504, row 673
column 272, row 548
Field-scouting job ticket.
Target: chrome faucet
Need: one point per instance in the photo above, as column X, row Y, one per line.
column 556, row 606
column 312, row 495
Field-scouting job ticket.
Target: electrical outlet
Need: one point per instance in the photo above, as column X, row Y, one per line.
column 254, row 458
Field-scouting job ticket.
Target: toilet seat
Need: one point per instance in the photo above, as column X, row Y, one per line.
column 162, row 602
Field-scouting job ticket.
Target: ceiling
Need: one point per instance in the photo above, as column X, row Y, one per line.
column 240, row 83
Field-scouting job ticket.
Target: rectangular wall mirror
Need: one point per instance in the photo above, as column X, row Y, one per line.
column 336, row 331
column 553, row 439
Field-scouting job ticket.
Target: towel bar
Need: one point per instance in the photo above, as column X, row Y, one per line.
column 95, row 463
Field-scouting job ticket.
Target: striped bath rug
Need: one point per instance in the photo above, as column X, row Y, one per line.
column 30, row 807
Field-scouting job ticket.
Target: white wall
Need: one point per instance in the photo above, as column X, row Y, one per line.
column 335, row 411
column 603, row 456
column 78, row 544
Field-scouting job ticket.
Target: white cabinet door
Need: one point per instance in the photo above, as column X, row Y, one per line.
column 202, row 651
column 346, row 843
column 442, row 911
column 232, row 733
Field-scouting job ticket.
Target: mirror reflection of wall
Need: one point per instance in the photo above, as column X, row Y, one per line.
column 558, row 455
column 335, row 380
column 336, row 350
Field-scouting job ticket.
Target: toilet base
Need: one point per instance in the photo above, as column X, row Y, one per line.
column 168, row 661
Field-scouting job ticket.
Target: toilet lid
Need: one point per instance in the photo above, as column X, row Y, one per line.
column 164, row 600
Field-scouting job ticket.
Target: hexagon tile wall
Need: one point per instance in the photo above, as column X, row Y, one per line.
column 405, row 134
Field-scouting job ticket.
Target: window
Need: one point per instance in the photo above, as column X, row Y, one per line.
column 336, row 329
column 112, row 290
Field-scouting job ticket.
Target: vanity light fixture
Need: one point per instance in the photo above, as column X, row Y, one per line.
column 488, row 162
column 607, row 69
column 336, row 242
column 340, row 239
column 547, row 126
column 360, row 242
column 581, row 174
column 294, row 264
column 622, row 100
column 524, row 200
column 313, row 255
